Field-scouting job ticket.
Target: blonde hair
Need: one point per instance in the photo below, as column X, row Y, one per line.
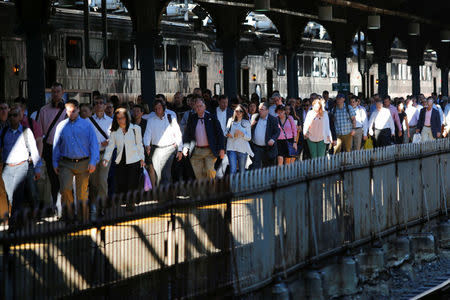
column 320, row 113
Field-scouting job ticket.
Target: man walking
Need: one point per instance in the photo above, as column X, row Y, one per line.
column 361, row 123
column 345, row 124
column 162, row 141
column 75, row 154
column 204, row 139
column 48, row 118
column 18, row 146
column 223, row 113
column 265, row 132
column 429, row 125
column 412, row 115
column 98, row 181
column 381, row 125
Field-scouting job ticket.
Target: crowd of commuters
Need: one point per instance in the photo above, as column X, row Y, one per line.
column 91, row 152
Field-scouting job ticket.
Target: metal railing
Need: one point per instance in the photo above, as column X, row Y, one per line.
column 229, row 236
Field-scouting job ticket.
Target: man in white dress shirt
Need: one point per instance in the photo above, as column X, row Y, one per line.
column 162, row 139
column 98, row 181
column 381, row 125
column 223, row 113
column 162, row 98
column 412, row 114
column 361, row 123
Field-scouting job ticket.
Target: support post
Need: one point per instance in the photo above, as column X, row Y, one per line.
column 444, row 81
column 382, row 79
column 35, row 69
column 230, row 69
column 145, row 44
column 342, row 72
column 292, row 74
column 415, row 73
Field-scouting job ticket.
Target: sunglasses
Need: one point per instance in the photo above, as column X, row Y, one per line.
column 239, row 111
column 13, row 115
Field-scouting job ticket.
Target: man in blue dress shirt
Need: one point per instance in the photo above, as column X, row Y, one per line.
column 75, row 153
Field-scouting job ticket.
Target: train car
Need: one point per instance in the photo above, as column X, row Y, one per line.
column 185, row 58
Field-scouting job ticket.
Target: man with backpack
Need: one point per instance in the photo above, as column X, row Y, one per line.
column 18, row 149
column 162, row 141
column 343, row 116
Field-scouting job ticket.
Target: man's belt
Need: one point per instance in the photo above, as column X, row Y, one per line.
column 426, row 126
column 202, row 146
column 74, row 160
column 156, row 146
column 16, row 164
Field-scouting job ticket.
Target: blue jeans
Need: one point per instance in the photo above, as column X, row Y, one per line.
column 15, row 178
column 234, row 158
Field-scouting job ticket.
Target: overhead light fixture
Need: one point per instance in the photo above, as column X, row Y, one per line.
column 413, row 28
column 326, row 13
column 445, row 36
column 262, row 5
column 373, row 22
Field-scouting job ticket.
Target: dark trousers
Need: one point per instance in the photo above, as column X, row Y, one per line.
column 127, row 177
column 31, row 192
column 54, row 180
column 112, row 175
column 382, row 137
column 182, row 170
column 263, row 156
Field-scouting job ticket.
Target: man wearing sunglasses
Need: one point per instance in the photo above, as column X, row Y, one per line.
column 18, row 148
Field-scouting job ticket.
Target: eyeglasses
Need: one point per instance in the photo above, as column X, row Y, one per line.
column 99, row 102
column 239, row 111
column 13, row 115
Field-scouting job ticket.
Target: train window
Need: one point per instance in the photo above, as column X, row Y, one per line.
column 307, row 66
column 126, row 55
column 429, row 74
column 300, row 65
column 258, row 90
column 316, row 67
column 217, row 89
column 186, row 59
column 323, row 67
column 74, row 54
column 332, row 66
column 281, row 64
column 95, row 57
column 111, row 60
column 393, row 71
column 159, row 57
column 409, row 73
column 172, row 58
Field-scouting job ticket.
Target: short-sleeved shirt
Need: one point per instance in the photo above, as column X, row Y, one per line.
column 343, row 119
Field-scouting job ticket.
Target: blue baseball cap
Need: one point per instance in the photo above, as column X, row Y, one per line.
column 340, row 96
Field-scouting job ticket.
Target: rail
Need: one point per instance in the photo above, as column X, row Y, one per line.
column 230, row 236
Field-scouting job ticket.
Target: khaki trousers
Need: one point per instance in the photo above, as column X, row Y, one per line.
column 202, row 161
column 426, row 134
column 357, row 139
column 343, row 142
column 98, row 181
column 4, row 203
column 79, row 170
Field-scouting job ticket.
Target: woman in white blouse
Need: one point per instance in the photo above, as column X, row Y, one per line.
column 238, row 135
column 316, row 130
column 130, row 151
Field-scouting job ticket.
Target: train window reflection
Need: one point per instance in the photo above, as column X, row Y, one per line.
column 307, row 66
column 74, row 52
column 217, row 89
column 324, row 67
column 159, row 57
column 300, row 66
column 281, row 65
column 185, row 59
column 126, row 55
column 172, row 57
column 111, row 60
column 316, row 67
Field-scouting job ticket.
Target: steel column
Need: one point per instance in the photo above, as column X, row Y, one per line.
column 382, row 79
column 444, row 81
column 230, row 68
column 415, row 73
column 292, row 74
column 35, row 69
column 342, row 71
column 145, row 44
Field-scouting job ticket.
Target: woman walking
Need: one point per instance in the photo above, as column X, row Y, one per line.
column 316, row 130
column 130, row 151
column 238, row 135
column 288, row 133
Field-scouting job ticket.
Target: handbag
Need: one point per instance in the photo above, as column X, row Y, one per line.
column 290, row 145
column 417, row 138
column 144, row 180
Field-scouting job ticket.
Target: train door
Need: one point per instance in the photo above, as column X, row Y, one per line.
column 50, row 72
column 434, row 85
column 245, row 83
column 202, row 76
column 269, row 82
